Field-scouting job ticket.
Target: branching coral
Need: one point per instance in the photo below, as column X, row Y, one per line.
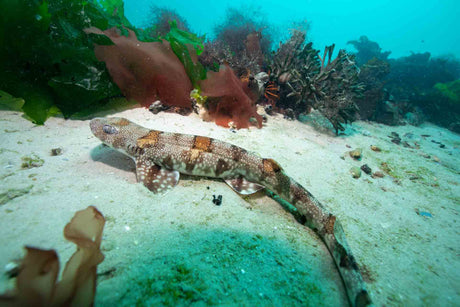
column 293, row 67
column 307, row 80
column 336, row 88
column 36, row 282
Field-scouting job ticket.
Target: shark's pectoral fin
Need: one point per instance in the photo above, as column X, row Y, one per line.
column 154, row 177
column 243, row 186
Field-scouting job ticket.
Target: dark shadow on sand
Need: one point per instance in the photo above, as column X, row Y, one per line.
column 198, row 265
column 110, row 156
column 107, row 155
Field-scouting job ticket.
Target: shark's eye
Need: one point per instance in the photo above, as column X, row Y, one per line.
column 109, row 129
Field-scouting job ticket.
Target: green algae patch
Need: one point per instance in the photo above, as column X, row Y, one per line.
column 398, row 171
column 227, row 268
column 47, row 62
column 3, row 150
column 178, row 287
column 13, row 193
column 451, row 90
column 9, row 102
column 31, row 161
column 391, row 170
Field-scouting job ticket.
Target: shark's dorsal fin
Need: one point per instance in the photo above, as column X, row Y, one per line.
column 154, row 177
column 242, row 186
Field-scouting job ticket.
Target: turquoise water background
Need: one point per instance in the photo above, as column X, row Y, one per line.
column 398, row 26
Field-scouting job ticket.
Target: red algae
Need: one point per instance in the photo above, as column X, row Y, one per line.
column 144, row 71
column 234, row 104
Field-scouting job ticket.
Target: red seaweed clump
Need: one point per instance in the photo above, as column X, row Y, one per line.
column 147, row 72
column 234, row 103
column 144, row 71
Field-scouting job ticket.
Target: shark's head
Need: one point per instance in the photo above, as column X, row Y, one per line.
column 117, row 132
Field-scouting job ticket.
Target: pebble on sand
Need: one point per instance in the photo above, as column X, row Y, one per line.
column 355, row 172
column 356, row 153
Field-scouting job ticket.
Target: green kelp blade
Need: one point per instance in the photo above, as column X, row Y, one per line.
column 38, row 106
column 38, row 99
column 184, row 37
column 115, row 9
column 180, row 42
column 8, row 102
column 100, row 39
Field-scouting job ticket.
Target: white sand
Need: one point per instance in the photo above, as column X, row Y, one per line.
column 180, row 248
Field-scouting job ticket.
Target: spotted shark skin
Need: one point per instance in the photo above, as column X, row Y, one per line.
column 160, row 157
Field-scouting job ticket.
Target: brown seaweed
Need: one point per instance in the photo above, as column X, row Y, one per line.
column 36, row 283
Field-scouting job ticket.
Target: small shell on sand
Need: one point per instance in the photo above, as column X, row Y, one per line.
column 378, row 174
column 356, row 154
column 375, row 148
column 355, row 172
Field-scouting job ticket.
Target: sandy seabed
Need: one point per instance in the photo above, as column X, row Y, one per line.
column 181, row 249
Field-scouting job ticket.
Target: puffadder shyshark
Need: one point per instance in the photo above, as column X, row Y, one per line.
column 160, row 157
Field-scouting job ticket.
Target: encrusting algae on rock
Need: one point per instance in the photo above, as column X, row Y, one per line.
column 31, row 161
